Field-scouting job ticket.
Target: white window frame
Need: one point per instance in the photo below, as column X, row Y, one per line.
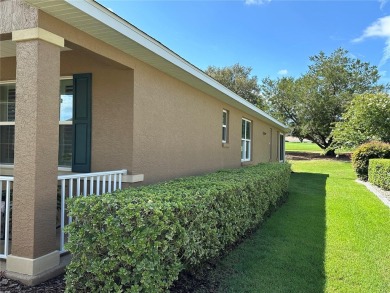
column 225, row 127
column 246, row 154
column 65, row 122
column 65, row 168
column 12, row 123
column 7, row 123
column 282, row 152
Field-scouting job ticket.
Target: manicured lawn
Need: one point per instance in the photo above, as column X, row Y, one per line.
column 302, row 147
column 332, row 235
column 309, row 147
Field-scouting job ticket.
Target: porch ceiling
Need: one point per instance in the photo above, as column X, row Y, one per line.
column 99, row 22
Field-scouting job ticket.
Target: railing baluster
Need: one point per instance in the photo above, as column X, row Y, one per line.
column 114, row 188
column 85, row 185
column 104, row 184
column 7, row 212
column 91, row 185
column 98, row 185
column 109, row 183
column 70, row 195
column 78, row 186
column 62, row 240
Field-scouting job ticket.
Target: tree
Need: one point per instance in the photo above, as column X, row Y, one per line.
column 366, row 119
column 312, row 103
column 237, row 78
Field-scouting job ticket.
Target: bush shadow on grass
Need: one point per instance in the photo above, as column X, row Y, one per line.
column 285, row 255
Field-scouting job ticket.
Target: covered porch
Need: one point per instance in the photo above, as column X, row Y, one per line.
column 69, row 186
column 66, row 115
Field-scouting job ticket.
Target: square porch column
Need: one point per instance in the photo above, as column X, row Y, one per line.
column 33, row 249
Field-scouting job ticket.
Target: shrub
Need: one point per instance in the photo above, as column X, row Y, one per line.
column 379, row 173
column 364, row 153
column 139, row 239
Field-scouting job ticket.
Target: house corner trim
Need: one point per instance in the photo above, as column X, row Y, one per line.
column 37, row 33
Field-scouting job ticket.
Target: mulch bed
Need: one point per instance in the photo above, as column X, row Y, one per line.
column 54, row 285
column 300, row 156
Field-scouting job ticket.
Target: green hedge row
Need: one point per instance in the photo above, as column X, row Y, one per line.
column 379, row 173
column 139, row 239
column 367, row 151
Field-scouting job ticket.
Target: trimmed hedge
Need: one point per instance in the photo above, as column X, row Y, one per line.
column 367, row 151
column 379, row 173
column 139, row 239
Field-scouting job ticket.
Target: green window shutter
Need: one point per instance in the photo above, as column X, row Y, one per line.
column 82, row 120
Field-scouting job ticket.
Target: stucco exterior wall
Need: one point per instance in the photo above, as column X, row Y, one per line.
column 178, row 129
column 17, row 15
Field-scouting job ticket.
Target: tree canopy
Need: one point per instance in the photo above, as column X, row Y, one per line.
column 313, row 103
column 238, row 79
column 366, row 119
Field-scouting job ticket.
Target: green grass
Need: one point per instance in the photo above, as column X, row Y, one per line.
column 303, row 147
column 309, row 147
column 332, row 235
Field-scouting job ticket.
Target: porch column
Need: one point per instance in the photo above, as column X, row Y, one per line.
column 33, row 249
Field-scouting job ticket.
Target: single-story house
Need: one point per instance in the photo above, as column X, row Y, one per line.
column 88, row 102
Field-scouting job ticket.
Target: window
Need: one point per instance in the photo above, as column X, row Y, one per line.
column 246, row 140
column 66, row 119
column 7, row 122
column 225, row 121
column 281, row 147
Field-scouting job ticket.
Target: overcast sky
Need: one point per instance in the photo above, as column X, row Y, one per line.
column 274, row 37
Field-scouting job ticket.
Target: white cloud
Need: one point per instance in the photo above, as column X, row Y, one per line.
column 379, row 29
column 283, row 72
column 256, row 2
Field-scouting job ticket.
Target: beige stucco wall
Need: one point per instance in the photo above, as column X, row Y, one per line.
column 16, row 15
column 177, row 129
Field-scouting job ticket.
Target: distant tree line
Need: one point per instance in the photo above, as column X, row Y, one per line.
column 338, row 102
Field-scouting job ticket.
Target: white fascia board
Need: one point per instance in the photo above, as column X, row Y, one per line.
column 102, row 14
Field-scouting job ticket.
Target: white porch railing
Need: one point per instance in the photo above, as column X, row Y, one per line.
column 83, row 185
column 6, row 186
